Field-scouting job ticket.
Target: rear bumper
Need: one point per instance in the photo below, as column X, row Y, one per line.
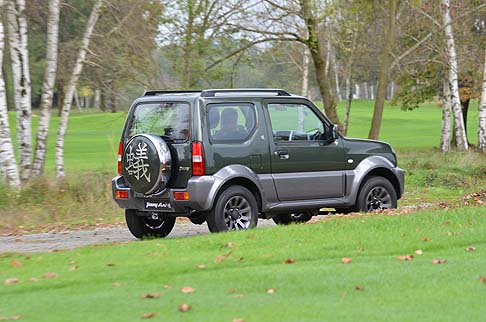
column 202, row 191
column 400, row 174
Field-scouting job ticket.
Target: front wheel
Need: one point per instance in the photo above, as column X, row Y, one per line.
column 146, row 225
column 377, row 193
column 297, row 217
column 235, row 209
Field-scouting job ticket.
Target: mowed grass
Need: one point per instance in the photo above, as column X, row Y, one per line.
column 241, row 267
column 92, row 138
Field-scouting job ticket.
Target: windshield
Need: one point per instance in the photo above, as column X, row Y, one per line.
column 168, row 120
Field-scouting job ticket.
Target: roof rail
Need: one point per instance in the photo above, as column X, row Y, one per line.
column 155, row 92
column 212, row 92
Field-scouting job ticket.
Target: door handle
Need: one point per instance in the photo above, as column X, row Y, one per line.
column 282, row 154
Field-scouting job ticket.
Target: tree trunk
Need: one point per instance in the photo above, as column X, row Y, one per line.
column 8, row 165
column 47, row 87
column 322, row 77
column 349, row 99
column 459, row 129
column 76, row 100
column 66, row 106
column 19, row 56
column 365, row 89
column 336, row 76
column 482, row 114
column 97, row 99
column 446, row 133
column 357, row 92
column 113, row 97
column 305, row 85
column 383, row 76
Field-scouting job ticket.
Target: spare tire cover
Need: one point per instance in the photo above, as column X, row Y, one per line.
column 146, row 163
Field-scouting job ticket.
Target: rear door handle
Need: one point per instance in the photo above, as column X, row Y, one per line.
column 282, row 154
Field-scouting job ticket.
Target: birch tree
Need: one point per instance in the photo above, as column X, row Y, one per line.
column 71, row 87
column 19, row 56
column 446, row 134
column 459, row 129
column 47, row 87
column 8, row 165
column 482, row 113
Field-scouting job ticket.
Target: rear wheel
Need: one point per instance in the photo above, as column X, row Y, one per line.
column 235, row 209
column 146, row 225
column 377, row 193
column 296, row 217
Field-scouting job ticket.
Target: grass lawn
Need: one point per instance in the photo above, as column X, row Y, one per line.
column 241, row 267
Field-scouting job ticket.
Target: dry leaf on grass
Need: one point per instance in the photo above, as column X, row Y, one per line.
column 50, row 275
column 74, row 268
column 271, row 291
column 470, row 249
column 115, row 284
column 167, row 286
column 419, row 252
column 148, row 315
column 187, row 290
column 230, row 245
column 110, row 265
column 33, row 279
column 15, row 263
column 289, row 261
column 151, row 296
column 439, row 261
column 238, row 320
column 359, row 288
column 346, row 260
column 425, row 238
column 184, row 307
column 10, row 318
column 201, row 266
column 12, row 280
column 221, row 258
column 232, row 291
column 405, row 258
column 482, row 279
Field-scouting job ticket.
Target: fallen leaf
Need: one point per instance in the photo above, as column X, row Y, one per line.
column 148, row 315
column 238, row 296
column 15, row 263
column 346, row 260
column 71, row 262
column 233, row 290
column 184, row 307
column 289, row 261
column 9, row 281
column 167, row 286
column 110, row 264
column 221, row 258
column 151, row 296
column 359, row 288
column 187, row 290
column 74, row 268
column 425, row 239
column 405, row 258
column 470, row 249
column 10, row 318
column 115, row 284
column 419, row 252
column 439, row 261
column 271, row 291
column 230, row 244
column 482, row 279
column 237, row 320
column 50, row 275
column 201, row 266
column 33, row 279
column 239, row 260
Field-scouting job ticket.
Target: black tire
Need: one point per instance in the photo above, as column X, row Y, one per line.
column 293, row 218
column 198, row 218
column 143, row 226
column 235, row 209
column 376, row 193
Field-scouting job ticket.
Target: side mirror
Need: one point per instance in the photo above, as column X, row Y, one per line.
column 334, row 133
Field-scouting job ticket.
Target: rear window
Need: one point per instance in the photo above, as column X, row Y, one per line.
column 168, row 120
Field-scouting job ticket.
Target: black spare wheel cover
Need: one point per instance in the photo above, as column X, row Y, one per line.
column 146, row 163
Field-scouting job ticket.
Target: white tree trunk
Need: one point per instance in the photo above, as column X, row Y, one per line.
column 19, row 55
column 97, row 99
column 372, row 92
column 357, row 93
column 71, row 87
column 8, row 166
column 482, row 114
column 366, row 94
column 305, row 85
column 459, row 129
column 47, row 87
column 336, row 76
column 446, row 132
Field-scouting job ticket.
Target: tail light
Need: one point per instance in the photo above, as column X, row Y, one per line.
column 120, row 153
column 198, row 167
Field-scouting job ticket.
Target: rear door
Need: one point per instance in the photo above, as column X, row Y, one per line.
column 305, row 164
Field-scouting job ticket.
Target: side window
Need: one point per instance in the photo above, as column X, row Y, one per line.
column 295, row 122
column 230, row 122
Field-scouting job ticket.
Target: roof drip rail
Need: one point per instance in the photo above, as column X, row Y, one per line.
column 212, row 92
column 155, row 92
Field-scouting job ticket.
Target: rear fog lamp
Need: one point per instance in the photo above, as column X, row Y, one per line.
column 181, row 195
column 121, row 194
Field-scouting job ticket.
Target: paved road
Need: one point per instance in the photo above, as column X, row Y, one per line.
column 71, row 239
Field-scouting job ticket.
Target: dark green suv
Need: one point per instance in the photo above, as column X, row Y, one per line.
column 232, row 156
